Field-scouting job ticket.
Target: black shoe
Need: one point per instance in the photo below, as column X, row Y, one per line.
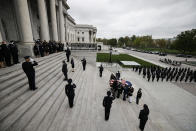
column 35, row 88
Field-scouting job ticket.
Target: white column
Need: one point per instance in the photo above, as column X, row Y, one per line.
column 53, row 20
column 24, row 20
column 61, row 19
column 1, row 39
column 24, row 23
column 43, row 20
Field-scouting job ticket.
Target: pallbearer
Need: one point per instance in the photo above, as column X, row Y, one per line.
column 27, row 67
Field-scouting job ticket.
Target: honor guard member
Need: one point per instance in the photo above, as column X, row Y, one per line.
column 64, row 70
column 70, row 92
column 153, row 76
column 68, row 53
column 148, row 76
column 143, row 116
column 27, row 67
column 107, row 103
column 100, row 70
column 14, row 51
column 139, row 95
column 6, row 53
column 84, row 63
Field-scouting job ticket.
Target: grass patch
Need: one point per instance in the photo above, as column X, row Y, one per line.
column 104, row 57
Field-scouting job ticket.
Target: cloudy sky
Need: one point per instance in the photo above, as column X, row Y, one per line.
column 116, row 18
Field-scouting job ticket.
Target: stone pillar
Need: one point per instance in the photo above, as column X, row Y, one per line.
column 24, row 23
column 53, row 20
column 43, row 20
column 1, row 39
column 61, row 21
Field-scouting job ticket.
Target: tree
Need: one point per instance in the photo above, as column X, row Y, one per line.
column 186, row 41
column 161, row 43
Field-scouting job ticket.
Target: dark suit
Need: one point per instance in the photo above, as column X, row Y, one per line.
column 30, row 72
column 64, row 70
column 70, row 92
column 6, row 54
column 143, row 116
column 107, row 103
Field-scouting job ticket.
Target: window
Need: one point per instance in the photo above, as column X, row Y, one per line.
column 78, row 39
column 78, row 32
column 82, row 39
column 82, row 32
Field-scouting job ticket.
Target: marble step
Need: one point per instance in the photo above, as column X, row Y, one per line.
column 18, row 113
column 9, row 70
column 17, row 73
column 49, row 104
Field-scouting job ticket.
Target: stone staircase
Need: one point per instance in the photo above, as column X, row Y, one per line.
column 22, row 109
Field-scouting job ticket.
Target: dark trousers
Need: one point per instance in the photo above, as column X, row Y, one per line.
column 142, row 124
column 100, row 73
column 71, row 100
column 67, row 58
column 31, row 79
column 107, row 113
column 65, row 74
column 84, row 67
column 8, row 60
column 137, row 100
column 15, row 58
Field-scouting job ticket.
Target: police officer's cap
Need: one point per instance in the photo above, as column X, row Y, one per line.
column 26, row 57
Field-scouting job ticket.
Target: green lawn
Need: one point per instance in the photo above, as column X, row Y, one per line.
column 104, row 57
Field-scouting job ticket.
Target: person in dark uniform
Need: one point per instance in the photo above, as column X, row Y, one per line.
column 36, row 49
column 1, row 58
column 84, row 63
column 139, row 95
column 68, row 53
column 72, row 64
column 14, row 51
column 41, row 49
column 70, row 92
column 107, row 103
column 100, row 70
column 6, row 53
column 64, row 70
column 27, row 67
column 153, row 76
column 148, row 76
column 143, row 116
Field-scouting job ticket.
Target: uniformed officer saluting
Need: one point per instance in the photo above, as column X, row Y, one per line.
column 27, row 67
column 107, row 103
column 70, row 92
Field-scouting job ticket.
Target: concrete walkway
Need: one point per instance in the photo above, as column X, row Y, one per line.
column 46, row 109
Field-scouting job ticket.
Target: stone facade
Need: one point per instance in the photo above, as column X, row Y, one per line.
column 28, row 20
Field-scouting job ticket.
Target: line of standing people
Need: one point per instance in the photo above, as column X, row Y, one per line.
column 8, row 54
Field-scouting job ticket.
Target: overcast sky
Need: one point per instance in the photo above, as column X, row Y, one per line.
column 116, row 18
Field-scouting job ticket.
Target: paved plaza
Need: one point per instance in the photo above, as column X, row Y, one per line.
column 171, row 108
